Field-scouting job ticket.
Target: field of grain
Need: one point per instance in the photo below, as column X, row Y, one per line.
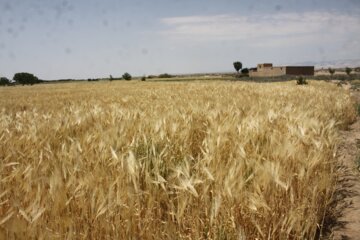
column 139, row 160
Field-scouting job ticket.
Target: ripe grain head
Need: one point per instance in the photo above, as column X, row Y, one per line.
column 168, row 160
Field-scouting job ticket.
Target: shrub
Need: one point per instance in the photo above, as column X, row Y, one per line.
column 126, row 76
column 26, row 78
column 4, row 81
column 165, row 75
column 152, row 76
column 143, row 78
column 245, row 71
column 111, row 78
column 301, row 81
column 331, row 71
column 348, row 71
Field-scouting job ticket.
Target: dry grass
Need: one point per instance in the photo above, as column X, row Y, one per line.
column 168, row 160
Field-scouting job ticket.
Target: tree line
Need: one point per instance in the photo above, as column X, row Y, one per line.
column 20, row 78
column 25, row 78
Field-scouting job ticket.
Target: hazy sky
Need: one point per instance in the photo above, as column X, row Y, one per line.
column 95, row 38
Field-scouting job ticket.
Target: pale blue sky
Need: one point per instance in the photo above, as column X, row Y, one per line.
column 57, row 39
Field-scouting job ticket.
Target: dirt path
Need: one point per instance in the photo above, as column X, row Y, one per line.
column 348, row 223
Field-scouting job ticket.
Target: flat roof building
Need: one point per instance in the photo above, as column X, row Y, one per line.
column 268, row 70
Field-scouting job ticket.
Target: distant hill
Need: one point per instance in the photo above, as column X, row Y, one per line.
column 333, row 63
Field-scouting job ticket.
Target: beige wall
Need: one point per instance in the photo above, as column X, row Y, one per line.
column 269, row 72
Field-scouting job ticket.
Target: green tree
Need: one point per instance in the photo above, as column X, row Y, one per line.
column 331, row 71
column 4, row 81
column 245, row 71
column 25, row 78
column 348, row 71
column 165, row 75
column 126, row 76
column 237, row 66
column 111, row 78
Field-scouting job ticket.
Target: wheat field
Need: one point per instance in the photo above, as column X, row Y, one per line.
column 146, row 160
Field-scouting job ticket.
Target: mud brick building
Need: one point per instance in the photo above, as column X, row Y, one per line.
column 268, row 70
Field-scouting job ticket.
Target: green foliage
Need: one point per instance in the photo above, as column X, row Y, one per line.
column 143, row 78
column 237, row 66
column 245, row 71
column 4, row 81
column 26, row 78
column 165, row 75
column 126, row 76
column 331, row 71
column 348, row 70
column 301, row 81
column 111, row 78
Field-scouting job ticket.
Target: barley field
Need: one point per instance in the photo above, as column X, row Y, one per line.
column 146, row 160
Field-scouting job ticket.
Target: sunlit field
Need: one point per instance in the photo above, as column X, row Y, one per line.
column 152, row 160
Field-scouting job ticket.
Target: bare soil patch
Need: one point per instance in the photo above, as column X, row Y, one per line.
column 347, row 225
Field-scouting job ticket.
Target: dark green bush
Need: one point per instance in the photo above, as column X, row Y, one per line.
column 126, row 76
column 143, row 78
column 245, row 71
column 4, row 81
column 26, row 78
column 165, row 75
column 301, row 81
column 348, row 71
